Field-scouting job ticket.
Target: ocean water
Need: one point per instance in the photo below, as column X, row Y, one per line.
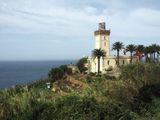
column 21, row 72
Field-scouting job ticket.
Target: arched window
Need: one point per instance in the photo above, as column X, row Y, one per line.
column 108, row 62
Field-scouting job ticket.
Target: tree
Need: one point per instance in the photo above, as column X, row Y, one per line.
column 146, row 52
column 154, row 50
column 98, row 53
column 151, row 51
column 65, row 69
column 117, row 46
column 56, row 74
column 59, row 72
column 81, row 64
column 131, row 48
column 140, row 49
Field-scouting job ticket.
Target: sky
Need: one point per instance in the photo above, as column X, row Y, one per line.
column 63, row 29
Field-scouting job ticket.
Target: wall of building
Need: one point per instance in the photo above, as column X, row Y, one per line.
column 108, row 62
column 103, row 42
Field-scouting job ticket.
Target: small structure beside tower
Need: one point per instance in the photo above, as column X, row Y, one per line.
column 102, row 41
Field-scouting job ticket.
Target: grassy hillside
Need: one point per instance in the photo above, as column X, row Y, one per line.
column 134, row 95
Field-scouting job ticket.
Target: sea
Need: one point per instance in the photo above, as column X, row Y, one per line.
column 21, row 72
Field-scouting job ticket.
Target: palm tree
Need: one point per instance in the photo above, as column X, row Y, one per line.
column 146, row 51
column 140, row 49
column 154, row 49
column 117, row 46
column 131, row 48
column 151, row 51
column 98, row 53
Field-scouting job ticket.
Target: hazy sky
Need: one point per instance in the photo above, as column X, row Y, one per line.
column 63, row 29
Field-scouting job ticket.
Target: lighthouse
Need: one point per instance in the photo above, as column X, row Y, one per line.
column 102, row 38
column 102, row 41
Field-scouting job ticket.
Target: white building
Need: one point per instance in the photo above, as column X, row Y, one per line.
column 102, row 41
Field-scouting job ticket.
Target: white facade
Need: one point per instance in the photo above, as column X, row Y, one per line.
column 102, row 41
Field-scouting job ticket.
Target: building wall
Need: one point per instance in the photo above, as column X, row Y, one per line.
column 103, row 42
column 108, row 62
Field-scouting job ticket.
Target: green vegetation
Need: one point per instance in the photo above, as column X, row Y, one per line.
column 81, row 64
column 59, row 73
column 131, row 48
column 132, row 96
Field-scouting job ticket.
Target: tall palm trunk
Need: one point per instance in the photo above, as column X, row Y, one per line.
column 151, row 56
column 118, row 57
column 139, row 58
column 157, row 56
column 131, row 57
column 146, row 57
column 98, row 64
column 154, row 54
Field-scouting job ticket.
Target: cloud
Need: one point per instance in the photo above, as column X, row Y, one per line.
column 72, row 23
column 147, row 16
column 139, row 25
column 44, row 20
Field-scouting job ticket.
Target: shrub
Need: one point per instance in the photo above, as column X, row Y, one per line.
column 108, row 77
column 141, row 74
column 146, row 95
column 64, row 68
column 56, row 74
column 81, row 64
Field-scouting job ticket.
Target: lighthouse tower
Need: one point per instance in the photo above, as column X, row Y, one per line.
column 102, row 41
column 102, row 38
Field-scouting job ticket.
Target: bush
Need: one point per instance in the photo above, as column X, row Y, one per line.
column 141, row 74
column 56, row 74
column 108, row 77
column 81, row 65
column 146, row 95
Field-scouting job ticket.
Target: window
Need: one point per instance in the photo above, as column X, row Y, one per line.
column 108, row 62
column 123, row 62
